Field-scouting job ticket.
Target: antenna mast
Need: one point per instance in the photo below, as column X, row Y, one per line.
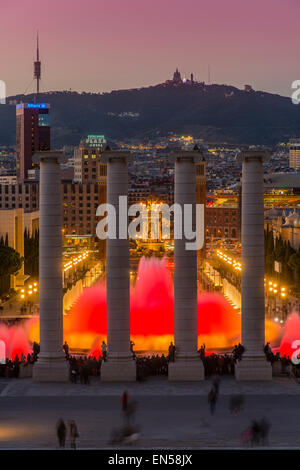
column 37, row 66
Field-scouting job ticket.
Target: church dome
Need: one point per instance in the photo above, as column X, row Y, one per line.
column 290, row 219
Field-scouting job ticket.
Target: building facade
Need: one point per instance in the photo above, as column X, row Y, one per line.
column 87, row 158
column 285, row 224
column 20, row 196
column 13, row 223
column 294, row 155
column 32, row 134
column 222, row 222
column 80, row 201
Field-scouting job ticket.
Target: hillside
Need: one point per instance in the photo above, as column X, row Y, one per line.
column 213, row 112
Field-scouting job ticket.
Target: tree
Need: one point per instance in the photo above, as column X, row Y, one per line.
column 10, row 263
column 286, row 269
column 279, row 249
column 31, row 253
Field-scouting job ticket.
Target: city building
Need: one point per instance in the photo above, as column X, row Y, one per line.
column 80, row 202
column 222, row 222
column 32, row 134
column 23, row 195
column 13, row 223
column 284, row 223
column 138, row 193
column 87, row 158
column 294, row 154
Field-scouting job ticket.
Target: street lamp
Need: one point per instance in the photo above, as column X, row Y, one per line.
column 28, row 293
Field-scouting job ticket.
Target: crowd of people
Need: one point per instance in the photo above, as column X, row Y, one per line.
column 82, row 367
column 284, row 364
column 218, row 364
column 151, row 365
column 11, row 367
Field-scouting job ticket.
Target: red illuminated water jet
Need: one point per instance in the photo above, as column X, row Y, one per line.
column 152, row 313
column 290, row 343
column 15, row 339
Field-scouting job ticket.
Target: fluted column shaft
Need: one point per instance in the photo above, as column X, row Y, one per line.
column 50, row 262
column 120, row 364
column 253, row 365
column 253, row 262
column 185, row 274
column 51, row 364
column 187, row 365
column 118, row 269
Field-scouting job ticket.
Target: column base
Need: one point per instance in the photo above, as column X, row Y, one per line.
column 186, row 370
column 253, row 368
column 114, row 370
column 51, row 369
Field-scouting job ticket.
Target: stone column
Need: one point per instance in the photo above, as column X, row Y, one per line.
column 120, row 364
column 51, row 365
column 253, row 365
column 187, row 365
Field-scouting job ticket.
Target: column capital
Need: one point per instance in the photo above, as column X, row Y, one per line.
column 250, row 155
column 180, row 155
column 48, row 156
column 109, row 156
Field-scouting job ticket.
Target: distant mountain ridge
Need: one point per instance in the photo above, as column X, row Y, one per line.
column 216, row 113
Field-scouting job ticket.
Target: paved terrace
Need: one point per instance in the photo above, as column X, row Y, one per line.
column 170, row 414
column 153, row 387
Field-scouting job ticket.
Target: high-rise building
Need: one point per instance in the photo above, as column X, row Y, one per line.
column 32, row 134
column 295, row 154
column 87, row 158
column 90, row 172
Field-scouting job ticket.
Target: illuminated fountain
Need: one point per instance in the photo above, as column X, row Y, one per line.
column 290, row 343
column 15, row 339
column 152, row 319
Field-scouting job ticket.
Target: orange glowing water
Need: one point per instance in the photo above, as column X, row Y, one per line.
column 152, row 316
column 291, row 339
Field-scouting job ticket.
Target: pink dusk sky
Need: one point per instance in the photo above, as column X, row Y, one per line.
column 101, row 45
